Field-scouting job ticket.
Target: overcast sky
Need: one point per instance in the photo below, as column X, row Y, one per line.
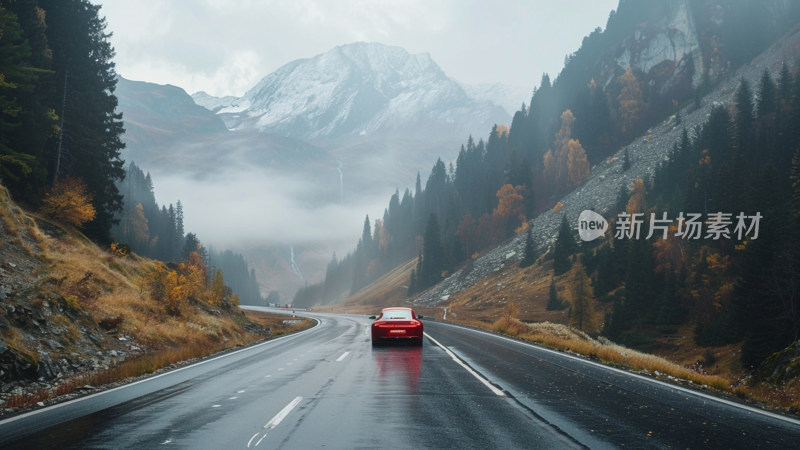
column 225, row 47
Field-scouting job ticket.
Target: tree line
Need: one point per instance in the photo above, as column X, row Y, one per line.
column 158, row 233
column 58, row 117
column 568, row 125
column 740, row 287
column 743, row 158
column 61, row 137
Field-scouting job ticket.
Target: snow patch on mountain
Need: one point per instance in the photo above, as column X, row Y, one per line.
column 360, row 89
column 214, row 104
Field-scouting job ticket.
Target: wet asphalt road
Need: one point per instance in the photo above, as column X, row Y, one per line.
column 327, row 387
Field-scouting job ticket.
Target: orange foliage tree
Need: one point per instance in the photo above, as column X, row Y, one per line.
column 68, row 201
column 510, row 211
column 176, row 285
column 567, row 166
column 577, row 163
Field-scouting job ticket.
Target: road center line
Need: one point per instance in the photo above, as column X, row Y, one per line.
column 480, row 378
column 344, row 355
column 283, row 413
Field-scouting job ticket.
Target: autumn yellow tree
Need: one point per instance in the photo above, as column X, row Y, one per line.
column 630, row 100
column 567, row 166
column 69, row 202
column 139, row 225
column 218, row 289
column 577, row 163
column 510, row 211
column 561, row 144
column 636, row 202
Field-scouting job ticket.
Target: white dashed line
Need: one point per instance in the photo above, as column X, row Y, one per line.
column 344, row 355
column 275, row 421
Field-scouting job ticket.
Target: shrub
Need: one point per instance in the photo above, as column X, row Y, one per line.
column 69, row 202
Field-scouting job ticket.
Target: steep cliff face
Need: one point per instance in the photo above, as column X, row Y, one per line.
column 682, row 44
column 667, row 49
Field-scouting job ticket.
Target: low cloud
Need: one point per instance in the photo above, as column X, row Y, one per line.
column 229, row 209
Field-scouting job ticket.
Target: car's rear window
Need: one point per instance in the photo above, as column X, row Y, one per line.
column 396, row 314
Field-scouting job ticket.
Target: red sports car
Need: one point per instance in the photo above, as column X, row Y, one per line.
column 397, row 324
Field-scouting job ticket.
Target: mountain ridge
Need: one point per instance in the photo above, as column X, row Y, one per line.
column 359, row 89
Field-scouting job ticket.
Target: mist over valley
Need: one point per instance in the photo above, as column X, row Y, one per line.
column 346, row 130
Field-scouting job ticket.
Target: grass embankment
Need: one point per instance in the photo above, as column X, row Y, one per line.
column 568, row 339
column 168, row 358
column 68, row 299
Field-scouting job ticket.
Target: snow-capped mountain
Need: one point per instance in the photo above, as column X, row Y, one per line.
column 361, row 89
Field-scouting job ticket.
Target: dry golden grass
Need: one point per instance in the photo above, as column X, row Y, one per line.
column 212, row 337
column 110, row 289
column 564, row 338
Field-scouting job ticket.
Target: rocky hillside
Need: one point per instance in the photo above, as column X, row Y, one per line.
column 68, row 307
column 599, row 191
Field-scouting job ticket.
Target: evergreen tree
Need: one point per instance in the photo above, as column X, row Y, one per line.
column 86, row 79
column 433, row 257
column 582, row 312
column 626, row 160
column 553, row 302
column 565, row 247
column 744, row 122
column 26, row 122
column 530, row 250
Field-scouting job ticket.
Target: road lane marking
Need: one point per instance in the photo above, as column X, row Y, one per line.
column 480, row 378
column 251, row 440
column 344, row 355
column 170, row 373
column 638, row 376
column 275, row 421
column 283, row 413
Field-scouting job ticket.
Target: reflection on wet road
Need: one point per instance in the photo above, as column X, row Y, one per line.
column 328, row 387
column 398, row 368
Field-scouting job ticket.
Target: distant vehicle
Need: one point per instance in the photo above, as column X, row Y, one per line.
column 397, row 324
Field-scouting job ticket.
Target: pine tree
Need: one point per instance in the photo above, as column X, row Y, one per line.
column 582, row 313
column 565, row 247
column 530, row 250
column 744, row 120
column 553, row 302
column 626, row 160
column 85, row 75
column 26, row 122
column 433, row 257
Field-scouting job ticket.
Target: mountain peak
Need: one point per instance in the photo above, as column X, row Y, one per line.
column 362, row 88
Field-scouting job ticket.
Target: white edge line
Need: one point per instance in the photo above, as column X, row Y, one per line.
column 344, row 355
column 641, row 377
column 483, row 380
column 59, row 405
column 275, row 421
